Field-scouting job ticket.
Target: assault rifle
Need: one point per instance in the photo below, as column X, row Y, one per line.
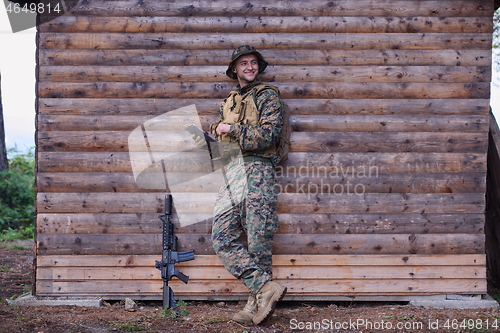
column 170, row 256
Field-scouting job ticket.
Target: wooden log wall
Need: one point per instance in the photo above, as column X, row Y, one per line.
column 384, row 190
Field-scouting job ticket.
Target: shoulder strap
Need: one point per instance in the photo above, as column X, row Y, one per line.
column 260, row 88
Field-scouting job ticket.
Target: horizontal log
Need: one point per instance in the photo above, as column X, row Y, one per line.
column 275, row 74
column 375, row 202
column 297, row 57
column 376, row 223
column 351, row 41
column 279, row 273
column 143, row 223
column 316, row 90
column 319, row 142
column 434, row 8
column 380, row 244
column 369, row 181
column 330, row 260
column 305, row 244
column 293, row 180
column 268, row 24
column 121, row 182
column 200, row 289
column 392, row 142
column 299, row 123
column 64, row 122
column 382, row 123
column 306, row 162
column 347, row 202
column 376, row 107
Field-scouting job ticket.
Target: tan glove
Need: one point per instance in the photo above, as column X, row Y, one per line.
column 199, row 141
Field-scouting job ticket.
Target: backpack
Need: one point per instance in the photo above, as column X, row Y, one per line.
column 283, row 144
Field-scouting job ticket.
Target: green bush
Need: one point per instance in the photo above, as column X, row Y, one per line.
column 22, row 233
column 17, row 194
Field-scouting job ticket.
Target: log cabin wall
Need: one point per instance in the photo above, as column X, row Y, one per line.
column 384, row 190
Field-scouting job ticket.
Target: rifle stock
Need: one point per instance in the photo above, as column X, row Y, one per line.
column 170, row 256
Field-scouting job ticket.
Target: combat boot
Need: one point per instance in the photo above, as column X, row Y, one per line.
column 246, row 316
column 267, row 297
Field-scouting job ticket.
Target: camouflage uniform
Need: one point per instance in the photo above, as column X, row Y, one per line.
column 255, row 215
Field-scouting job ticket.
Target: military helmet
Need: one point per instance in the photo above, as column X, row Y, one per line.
column 242, row 50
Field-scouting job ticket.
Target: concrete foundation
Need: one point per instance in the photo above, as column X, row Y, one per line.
column 455, row 302
column 433, row 301
column 31, row 300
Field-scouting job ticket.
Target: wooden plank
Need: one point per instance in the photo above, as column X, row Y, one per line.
column 299, row 123
column 319, row 142
column 289, row 182
column 124, row 260
column 297, row 203
column 372, row 107
column 305, row 162
column 296, row 57
column 366, row 181
column 379, row 244
column 290, row 90
column 60, row 122
column 392, row 142
column 386, row 162
column 380, row 223
column 361, row 244
column 279, row 273
column 268, row 24
column 200, row 288
column 351, row 41
column 118, row 182
column 374, row 203
column 275, row 74
column 381, row 123
column 95, row 223
column 434, row 8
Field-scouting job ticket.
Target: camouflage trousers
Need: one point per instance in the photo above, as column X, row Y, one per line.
column 246, row 205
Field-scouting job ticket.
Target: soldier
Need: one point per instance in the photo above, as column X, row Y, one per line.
column 251, row 118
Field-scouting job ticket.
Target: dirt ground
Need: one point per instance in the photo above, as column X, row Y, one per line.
column 16, row 278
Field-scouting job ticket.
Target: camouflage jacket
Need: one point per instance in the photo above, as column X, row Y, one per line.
column 253, row 140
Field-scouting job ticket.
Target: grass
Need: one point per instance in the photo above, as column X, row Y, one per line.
column 5, row 268
column 14, row 246
column 126, row 327
column 16, row 296
column 129, row 327
column 169, row 313
column 10, row 235
column 496, row 297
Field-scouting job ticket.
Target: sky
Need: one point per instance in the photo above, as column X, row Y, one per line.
column 17, row 67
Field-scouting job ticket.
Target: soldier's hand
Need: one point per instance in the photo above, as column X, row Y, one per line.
column 199, row 141
column 223, row 129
